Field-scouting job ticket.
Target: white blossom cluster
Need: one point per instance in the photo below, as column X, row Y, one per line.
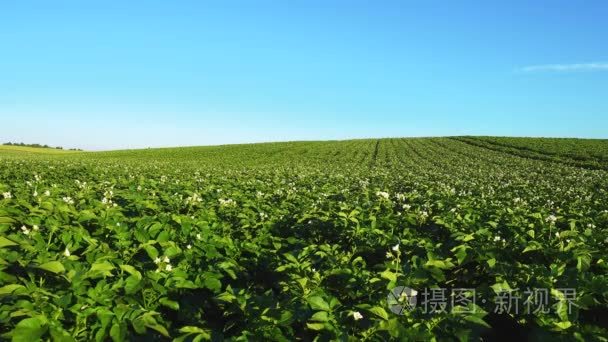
column 227, row 202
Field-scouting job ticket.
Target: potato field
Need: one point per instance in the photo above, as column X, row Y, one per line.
column 414, row 239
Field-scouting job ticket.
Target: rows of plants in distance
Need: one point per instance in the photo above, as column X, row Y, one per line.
column 587, row 153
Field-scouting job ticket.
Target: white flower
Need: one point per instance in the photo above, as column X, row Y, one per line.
column 139, row 188
column 47, row 193
column 389, row 255
column 195, row 198
column 357, row 315
column 25, row 230
column 157, row 260
column 35, row 193
column 407, row 207
column 35, row 228
column 168, row 267
column 7, row 195
column 557, row 234
column 551, row 219
column 66, row 252
column 395, row 248
column 189, row 246
column 198, row 236
column 166, row 259
column 382, row 194
column 227, row 202
column 68, row 200
column 496, row 238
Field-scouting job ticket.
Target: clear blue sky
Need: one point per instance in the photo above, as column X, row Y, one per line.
column 121, row 74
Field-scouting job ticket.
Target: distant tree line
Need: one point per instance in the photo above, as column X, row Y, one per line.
column 39, row 146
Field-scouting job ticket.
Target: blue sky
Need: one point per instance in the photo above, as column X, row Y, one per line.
column 125, row 74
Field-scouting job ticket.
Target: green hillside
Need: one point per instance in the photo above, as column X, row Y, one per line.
column 305, row 240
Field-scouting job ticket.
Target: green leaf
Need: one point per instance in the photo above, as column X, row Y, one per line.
column 132, row 283
column 4, row 242
column 53, row 266
column 58, row 334
column 441, row 264
column 320, row 316
column 213, row 284
column 193, row 330
column 291, row 258
column 86, row 215
column 318, row 303
column 118, row 332
column 437, row 274
column 30, row 329
column 315, row 326
column 491, row 262
column 173, row 251
column 100, row 269
column 531, row 247
column 477, row 320
column 129, row 269
column 501, row 287
column 583, row 263
column 6, row 220
column 152, row 251
column 380, row 312
column 468, row 237
column 389, row 275
column 162, row 330
column 11, row 289
column 460, row 252
column 164, row 236
column 139, row 325
column 169, row 303
column 226, row 297
column 562, row 325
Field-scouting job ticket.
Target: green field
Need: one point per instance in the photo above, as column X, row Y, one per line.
column 307, row 240
column 21, row 150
